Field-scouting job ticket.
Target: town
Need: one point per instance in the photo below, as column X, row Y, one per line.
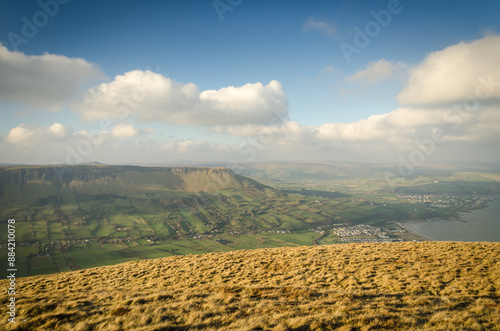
column 445, row 201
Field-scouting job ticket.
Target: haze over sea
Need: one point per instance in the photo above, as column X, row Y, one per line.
column 478, row 225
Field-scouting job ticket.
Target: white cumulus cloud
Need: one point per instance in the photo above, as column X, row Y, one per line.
column 45, row 81
column 152, row 97
column 58, row 130
column 456, row 73
column 124, row 130
column 33, row 135
column 20, row 134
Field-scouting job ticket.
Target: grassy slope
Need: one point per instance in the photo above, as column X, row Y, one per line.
column 428, row 285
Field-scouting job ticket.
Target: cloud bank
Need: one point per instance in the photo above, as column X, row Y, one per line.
column 452, row 98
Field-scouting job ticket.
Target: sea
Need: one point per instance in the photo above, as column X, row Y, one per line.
column 476, row 225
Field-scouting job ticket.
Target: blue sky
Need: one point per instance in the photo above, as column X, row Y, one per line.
column 324, row 96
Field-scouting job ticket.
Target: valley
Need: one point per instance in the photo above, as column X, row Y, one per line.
column 69, row 218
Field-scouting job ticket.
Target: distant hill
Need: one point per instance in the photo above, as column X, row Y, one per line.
column 291, row 171
column 353, row 177
column 29, row 183
column 407, row 286
column 302, row 170
column 453, row 187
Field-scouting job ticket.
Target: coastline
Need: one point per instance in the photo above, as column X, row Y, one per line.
column 479, row 224
column 424, row 238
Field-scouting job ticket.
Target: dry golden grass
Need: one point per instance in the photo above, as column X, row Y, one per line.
column 411, row 286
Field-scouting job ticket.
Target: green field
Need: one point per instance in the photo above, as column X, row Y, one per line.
column 100, row 233
column 96, row 222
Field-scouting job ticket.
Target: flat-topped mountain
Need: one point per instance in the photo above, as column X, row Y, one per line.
column 42, row 181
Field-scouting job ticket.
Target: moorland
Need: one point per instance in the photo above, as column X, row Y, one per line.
column 404, row 286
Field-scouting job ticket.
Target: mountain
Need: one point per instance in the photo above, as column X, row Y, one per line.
column 29, row 183
column 399, row 286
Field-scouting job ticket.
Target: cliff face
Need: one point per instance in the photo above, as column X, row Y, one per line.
column 39, row 181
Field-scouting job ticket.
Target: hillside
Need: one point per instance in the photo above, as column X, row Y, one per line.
column 410, row 286
column 28, row 183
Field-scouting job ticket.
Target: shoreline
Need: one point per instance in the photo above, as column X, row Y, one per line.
column 424, row 238
column 482, row 225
